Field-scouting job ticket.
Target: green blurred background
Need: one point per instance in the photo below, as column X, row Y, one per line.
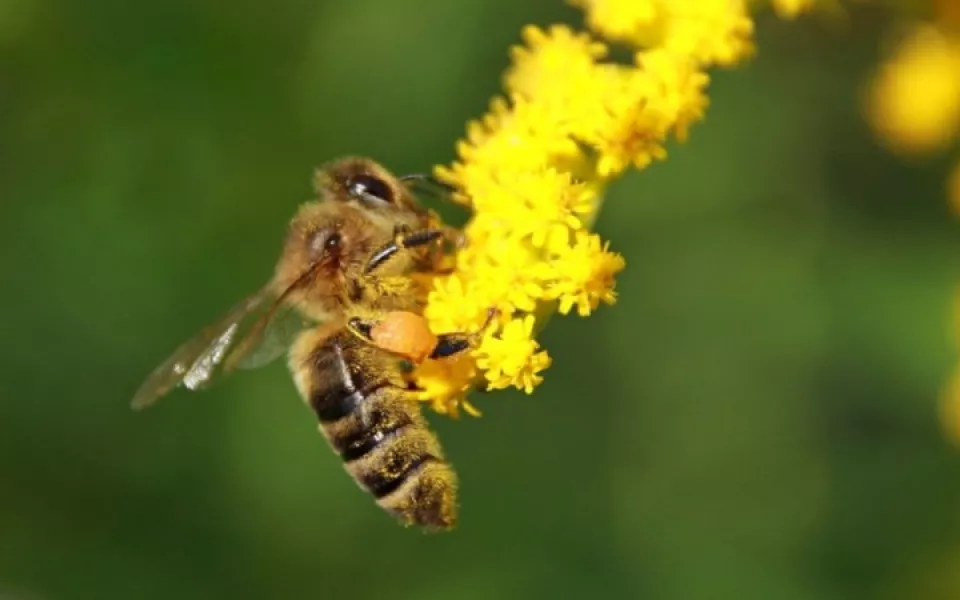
column 755, row 419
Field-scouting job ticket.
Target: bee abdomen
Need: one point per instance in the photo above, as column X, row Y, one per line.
column 338, row 402
column 426, row 498
column 408, row 482
column 386, row 447
column 364, row 440
column 379, row 432
column 388, row 478
column 340, row 389
column 392, row 454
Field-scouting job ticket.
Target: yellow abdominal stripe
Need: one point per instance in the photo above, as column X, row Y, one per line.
column 534, row 169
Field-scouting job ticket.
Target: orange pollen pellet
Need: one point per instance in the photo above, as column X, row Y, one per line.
column 405, row 334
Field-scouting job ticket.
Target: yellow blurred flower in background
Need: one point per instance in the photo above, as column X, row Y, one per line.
column 953, row 188
column 788, row 9
column 914, row 106
column 914, row 102
column 950, row 399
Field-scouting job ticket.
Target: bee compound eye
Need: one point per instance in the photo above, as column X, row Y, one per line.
column 370, row 188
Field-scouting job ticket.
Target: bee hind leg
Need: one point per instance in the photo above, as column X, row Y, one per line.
column 449, row 344
column 361, row 328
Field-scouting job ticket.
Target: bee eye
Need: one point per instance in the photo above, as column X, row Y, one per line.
column 370, row 189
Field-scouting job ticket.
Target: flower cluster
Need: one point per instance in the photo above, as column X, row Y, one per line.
column 534, row 169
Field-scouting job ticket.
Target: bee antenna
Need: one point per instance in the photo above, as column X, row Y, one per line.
column 433, row 186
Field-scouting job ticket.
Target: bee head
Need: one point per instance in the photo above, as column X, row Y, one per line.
column 325, row 251
column 363, row 182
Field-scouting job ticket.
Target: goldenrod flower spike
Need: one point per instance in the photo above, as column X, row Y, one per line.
column 707, row 31
column 535, row 168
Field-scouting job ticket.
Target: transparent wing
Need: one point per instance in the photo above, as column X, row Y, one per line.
column 253, row 333
column 268, row 339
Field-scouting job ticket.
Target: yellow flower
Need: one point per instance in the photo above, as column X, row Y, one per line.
column 517, row 137
column 640, row 107
column 555, row 62
column 549, row 205
column 534, row 171
column 445, row 383
column 511, row 359
column 620, row 20
column 707, row 31
column 585, row 275
column 453, row 306
column 914, row 102
column 508, row 279
column 678, row 88
column 629, row 129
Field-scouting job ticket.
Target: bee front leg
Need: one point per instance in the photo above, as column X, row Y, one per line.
column 455, row 238
column 402, row 241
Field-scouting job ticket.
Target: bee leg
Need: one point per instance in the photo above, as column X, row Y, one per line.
column 361, row 329
column 453, row 240
column 402, row 241
column 429, row 185
column 449, row 344
column 454, row 236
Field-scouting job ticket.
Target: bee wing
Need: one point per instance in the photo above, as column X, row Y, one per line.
column 268, row 339
column 256, row 331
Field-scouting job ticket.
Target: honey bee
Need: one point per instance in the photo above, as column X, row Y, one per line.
column 343, row 304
